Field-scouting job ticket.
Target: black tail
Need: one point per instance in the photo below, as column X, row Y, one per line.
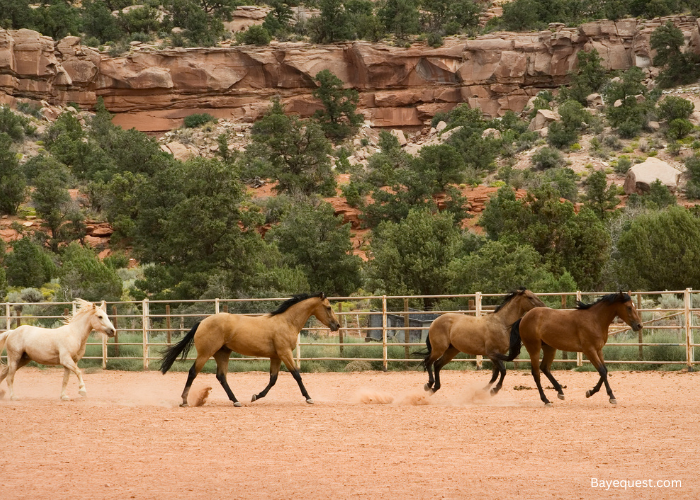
column 172, row 352
column 424, row 353
column 515, row 343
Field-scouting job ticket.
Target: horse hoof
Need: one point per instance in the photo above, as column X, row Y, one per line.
column 183, row 405
column 237, row 404
column 252, row 400
column 493, row 391
column 613, row 401
column 427, row 387
column 561, row 396
column 310, row 401
column 548, row 405
column 2, row 394
column 65, row 398
column 83, row 393
column 589, row 394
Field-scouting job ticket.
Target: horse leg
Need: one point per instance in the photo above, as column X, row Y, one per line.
column 12, row 366
column 196, row 368
column 498, row 367
column 494, row 374
column 288, row 360
column 3, row 374
column 222, row 356
column 597, row 359
column 534, row 351
column 69, row 364
column 436, row 351
column 274, row 372
column 447, row 356
column 66, row 375
column 548, row 353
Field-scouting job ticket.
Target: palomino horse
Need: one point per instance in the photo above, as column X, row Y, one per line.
column 584, row 329
column 61, row 346
column 486, row 335
column 273, row 336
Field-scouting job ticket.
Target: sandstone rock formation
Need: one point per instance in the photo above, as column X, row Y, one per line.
column 153, row 90
column 641, row 176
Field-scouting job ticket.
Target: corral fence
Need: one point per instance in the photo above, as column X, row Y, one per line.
column 381, row 330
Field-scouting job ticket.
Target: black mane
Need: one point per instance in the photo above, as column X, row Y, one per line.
column 610, row 298
column 509, row 297
column 295, row 300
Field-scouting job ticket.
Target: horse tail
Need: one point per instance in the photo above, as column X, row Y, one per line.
column 515, row 343
column 425, row 353
column 182, row 347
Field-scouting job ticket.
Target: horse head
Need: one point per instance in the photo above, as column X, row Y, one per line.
column 523, row 300
column 627, row 312
column 324, row 313
column 99, row 321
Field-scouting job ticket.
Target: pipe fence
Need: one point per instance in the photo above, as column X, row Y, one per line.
column 380, row 330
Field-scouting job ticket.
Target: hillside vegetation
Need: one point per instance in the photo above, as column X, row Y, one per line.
column 195, row 230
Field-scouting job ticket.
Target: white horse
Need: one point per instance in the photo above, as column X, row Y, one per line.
column 61, row 346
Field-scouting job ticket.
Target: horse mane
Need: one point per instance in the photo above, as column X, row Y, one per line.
column 610, row 298
column 509, row 297
column 295, row 300
column 84, row 307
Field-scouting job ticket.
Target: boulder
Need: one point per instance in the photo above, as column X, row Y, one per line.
column 400, row 136
column 594, row 100
column 491, row 132
column 542, row 119
column 640, row 177
column 440, row 126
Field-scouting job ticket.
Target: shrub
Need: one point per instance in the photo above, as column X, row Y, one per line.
column 547, row 158
column 255, row 35
column 623, row 165
column 672, row 108
column 679, row 128
column 198, row 120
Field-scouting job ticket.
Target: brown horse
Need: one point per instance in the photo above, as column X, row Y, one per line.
column 486, row 335
column 584, row 329
column 273, row 336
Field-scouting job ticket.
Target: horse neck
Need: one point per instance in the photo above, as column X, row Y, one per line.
column 604, row 314
column 299, row 314
column 80, row 327
column 510, row 312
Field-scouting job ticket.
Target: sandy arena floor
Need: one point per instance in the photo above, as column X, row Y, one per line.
column 129, row 438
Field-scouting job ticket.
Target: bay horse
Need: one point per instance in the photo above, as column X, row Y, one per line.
column 58, row 346
column 273, row 335
column 584, row 329
column 486, row 335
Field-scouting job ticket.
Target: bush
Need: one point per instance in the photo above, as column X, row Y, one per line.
column 672, row 108
column 197, row 120
column 547, row 158
column 679, row 128
column 623, row 165
column 255, row 35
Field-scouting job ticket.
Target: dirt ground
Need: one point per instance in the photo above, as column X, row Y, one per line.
column 368, row 435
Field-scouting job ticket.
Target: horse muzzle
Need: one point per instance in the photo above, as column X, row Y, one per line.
column 111, row 333
column 637, row 326
column 334, row 326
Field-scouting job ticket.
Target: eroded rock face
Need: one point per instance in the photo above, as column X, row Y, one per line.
column 153, row 90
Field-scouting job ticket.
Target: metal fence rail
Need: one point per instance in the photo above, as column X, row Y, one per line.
column 366, row 322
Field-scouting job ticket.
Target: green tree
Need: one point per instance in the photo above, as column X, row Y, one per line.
column 83, row 275
column 630, row 115
column 679, row 67
column 99, row 22
column 658, row 197
column 292, row 151
column 312, row 238
column 254, row 35
column 589, row 78
column 52, row 200
column 333, row 24
column 413, row 256
column 15, row 14
column 499, row 267
column 338, row 117
column 673, row 108
column 399, row 17
column 57, row 19
column 12, row 124
column 658, row 251
column 28, row 265
column 600, row 197
column 3, row 275
column 692, row 167
column 13, row 186
column 440, row 166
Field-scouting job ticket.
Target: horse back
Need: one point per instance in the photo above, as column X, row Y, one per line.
column 555, row 327
column 248, row 335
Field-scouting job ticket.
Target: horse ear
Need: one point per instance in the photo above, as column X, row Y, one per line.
column 322, row 296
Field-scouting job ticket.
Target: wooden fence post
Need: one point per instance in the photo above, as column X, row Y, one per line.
column 340, row 331
column 689, row 349
column 579, row 355
column 144, row 327
column 385, row 360
column 104, row 341
column 564, row 354
column 116, row 327
column 406, row 331
column 479, row 358
column 169, row 332
column 639, row 333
